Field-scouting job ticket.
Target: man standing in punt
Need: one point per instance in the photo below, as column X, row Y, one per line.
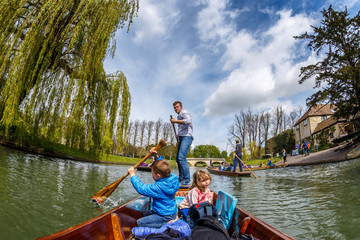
column 238, row 156
column 185, row 138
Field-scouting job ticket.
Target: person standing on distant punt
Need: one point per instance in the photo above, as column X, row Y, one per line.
column 284, row 155
column 238, row 152
column 185, row 138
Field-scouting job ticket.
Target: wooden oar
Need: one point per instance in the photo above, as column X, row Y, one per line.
column 104, row 193
column 174, row 130
column 246, row 166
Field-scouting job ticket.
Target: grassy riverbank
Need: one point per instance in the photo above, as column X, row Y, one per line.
column 62, row 151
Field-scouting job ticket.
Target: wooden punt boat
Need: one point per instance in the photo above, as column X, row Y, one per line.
column 117, row 223
column 228, row 173
column 144, row 168
column 264, row 168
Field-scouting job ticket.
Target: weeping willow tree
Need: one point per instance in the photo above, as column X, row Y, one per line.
column 53, row 87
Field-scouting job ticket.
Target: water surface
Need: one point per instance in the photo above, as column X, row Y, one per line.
column 41, row 195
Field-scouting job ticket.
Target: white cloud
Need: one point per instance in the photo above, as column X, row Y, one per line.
column 155, row 20
column 264, row 67
column 212, row 24
column 182, row 70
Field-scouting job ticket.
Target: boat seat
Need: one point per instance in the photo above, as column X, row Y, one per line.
column 225, row 206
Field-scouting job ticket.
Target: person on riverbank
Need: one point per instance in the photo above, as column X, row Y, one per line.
column 163, row 207
column 200, row 191
column 185, row 138
column 284, row 156
column 238, row 156
column 306, row 148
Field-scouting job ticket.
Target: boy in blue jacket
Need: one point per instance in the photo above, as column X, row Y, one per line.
column 162, row 193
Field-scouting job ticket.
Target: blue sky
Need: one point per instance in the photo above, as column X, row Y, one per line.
column 217, row 57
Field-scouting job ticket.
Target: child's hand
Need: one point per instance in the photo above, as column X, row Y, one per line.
column 131, row 171
column 153, row 151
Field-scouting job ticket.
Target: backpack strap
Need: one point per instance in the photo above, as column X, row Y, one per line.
column 205, row 210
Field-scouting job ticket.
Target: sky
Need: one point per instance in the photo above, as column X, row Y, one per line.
column 218, row 57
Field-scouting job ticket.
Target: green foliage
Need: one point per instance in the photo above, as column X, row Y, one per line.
column 338, row 38
column 206, row 151
column 254, row 151
column 323, row 138
column 53, row 87
column 284, row 140
column 224, row 154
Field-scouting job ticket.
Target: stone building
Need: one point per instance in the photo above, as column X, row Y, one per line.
column 331, row 129
column 318, row 124
column 305, row 126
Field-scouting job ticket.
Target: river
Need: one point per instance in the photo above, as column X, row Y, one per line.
column 40, row 195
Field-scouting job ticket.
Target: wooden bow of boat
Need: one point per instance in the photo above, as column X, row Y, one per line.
column 117, row 223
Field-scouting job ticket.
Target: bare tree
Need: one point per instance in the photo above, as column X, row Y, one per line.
column 238, row 129
column 300, row 111
column 293, row 118
column 135, row 135
column 128, row 136
column 158, row 125
column 261, row 132
column 277, row 122
column 166, row 127
column 266, row 125
column 149, row 128
column 142, row 126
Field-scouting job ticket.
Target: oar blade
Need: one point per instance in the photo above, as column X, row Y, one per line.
column 104, row 193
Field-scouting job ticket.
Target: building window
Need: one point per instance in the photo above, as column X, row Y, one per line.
column 305, row 122
column 331, row 135
column 298, row 127
column 323, row 118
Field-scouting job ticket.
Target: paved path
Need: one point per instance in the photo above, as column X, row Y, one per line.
column 335, row 154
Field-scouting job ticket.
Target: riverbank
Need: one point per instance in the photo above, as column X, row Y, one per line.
column 72, row 154
column 335, row 154
column 77, row 155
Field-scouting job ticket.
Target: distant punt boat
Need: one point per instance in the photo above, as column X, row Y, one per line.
column 117, row 223
column 228, row 173
column 264, row 168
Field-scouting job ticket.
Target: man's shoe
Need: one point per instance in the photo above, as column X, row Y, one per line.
column 185, row 182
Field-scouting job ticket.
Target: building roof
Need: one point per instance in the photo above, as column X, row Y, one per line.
column 325, row 124
column 318, row 110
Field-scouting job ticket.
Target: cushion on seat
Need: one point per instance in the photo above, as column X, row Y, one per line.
column 225, row 206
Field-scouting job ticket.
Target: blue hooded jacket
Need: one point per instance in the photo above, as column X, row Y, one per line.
column 162, row 192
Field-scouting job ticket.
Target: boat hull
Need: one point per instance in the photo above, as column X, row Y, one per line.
column 117, row 223
column 229, row 173
column 265, row 168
